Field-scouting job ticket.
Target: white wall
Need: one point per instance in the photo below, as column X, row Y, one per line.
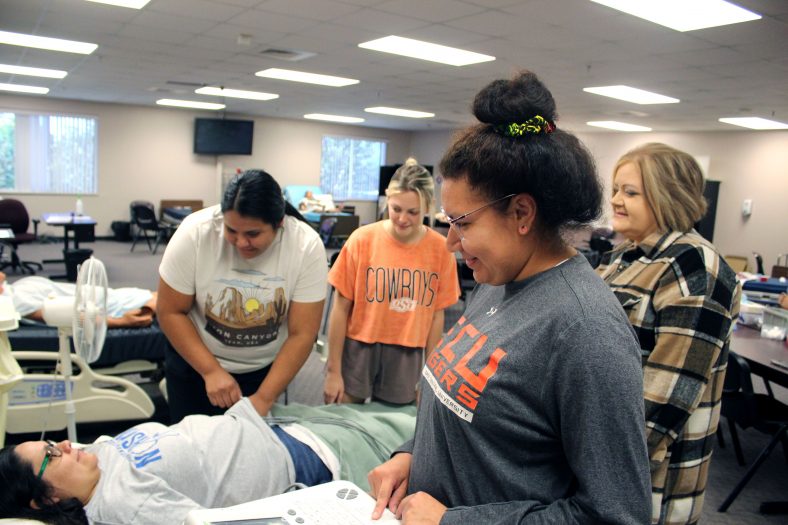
column 749, row 164
column 146, row 153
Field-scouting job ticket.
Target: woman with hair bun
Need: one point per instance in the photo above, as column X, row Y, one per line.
column 682, row 298
column 393, row 280
column 531, row 407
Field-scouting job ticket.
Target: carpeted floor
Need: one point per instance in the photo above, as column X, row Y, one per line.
column 140, row 268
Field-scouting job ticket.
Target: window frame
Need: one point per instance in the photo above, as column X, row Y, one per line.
column 373, row 188
column 27, row 190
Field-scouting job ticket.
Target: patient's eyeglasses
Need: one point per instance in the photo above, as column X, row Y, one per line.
column 50, row 451
column 454, row 222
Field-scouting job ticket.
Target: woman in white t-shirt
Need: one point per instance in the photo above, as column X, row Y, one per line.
column 241, row 294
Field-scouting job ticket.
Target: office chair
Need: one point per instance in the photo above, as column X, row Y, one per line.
column 13, row 215
column 326, row 230
column 742, row 406
column 759, row 263
column 781, row 268
column 143, row 220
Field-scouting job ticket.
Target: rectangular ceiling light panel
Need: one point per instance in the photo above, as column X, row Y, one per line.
column 303, row 76
column 333, row 118
column 397, row 112
column 684, row 15
column 630, row 94
column 754, row 123
column 24, row 89
column 32, row 71
column 51, row 44
column 133, row 4
column 236, row 93
column 189, row 104
column 618, row 126
column 426, row 51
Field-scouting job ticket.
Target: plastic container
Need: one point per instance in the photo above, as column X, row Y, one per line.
column 775, row 323
column 79, row 208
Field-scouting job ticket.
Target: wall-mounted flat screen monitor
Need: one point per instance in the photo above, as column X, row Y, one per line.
column 213, row 136
column 386, row 173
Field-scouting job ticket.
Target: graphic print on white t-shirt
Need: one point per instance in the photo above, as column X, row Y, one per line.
column 247, row 310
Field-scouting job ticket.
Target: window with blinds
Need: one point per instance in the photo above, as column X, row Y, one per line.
column 350, row 167
column 42, row 153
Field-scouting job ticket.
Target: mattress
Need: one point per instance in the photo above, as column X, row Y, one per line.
column 121, row 344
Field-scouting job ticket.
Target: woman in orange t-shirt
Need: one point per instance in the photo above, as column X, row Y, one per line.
column 393, row 280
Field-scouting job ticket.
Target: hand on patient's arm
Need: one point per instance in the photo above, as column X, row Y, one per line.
column 420, row 509
column 389, row 483
column 222, row 388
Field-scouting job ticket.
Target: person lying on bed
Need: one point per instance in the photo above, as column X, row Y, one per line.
column 126, row 307
column 152, row 473
column 317, row 203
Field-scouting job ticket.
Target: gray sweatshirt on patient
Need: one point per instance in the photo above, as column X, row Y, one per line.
column 532, row 407
column 152, row 474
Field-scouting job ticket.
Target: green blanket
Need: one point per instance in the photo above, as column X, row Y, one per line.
column 361, row 436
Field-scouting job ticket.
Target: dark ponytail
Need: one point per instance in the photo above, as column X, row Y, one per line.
column 20, row 486
column 550, row 164
column 256, row 194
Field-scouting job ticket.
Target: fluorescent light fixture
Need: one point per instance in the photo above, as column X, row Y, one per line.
column 236, row 93
column 630, row 94
column 425, row 51
column 42, row 42
column 333, row 118
column 188, row 104
column 24, row 89
column 134, row 4
column 618, row 126
column 399, row 112
column 32, row 71
column 309, row 78
column 754, row 123
column 683, row 15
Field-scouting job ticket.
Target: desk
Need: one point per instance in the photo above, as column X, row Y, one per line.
column 84, row 227
column 759, row 352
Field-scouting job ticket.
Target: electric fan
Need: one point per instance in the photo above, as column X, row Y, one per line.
column 85, row 319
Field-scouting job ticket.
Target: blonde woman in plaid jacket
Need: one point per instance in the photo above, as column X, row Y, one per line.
column 682, row 300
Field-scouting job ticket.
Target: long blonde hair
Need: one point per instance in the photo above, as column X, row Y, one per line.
column 411, row 176
column 672, row 184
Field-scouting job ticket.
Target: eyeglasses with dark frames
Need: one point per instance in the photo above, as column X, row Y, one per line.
column 454, row 222
column 50, row 451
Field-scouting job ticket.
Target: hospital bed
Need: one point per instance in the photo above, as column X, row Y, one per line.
column 100, row 393
column 342, row 224
column 126, row 350
column 40, row 397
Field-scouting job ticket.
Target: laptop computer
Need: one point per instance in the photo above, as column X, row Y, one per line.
column 334, row 503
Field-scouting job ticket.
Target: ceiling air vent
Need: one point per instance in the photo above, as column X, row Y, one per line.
column 289, row 55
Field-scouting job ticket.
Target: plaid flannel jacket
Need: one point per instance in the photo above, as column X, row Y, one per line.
column 682, row 300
